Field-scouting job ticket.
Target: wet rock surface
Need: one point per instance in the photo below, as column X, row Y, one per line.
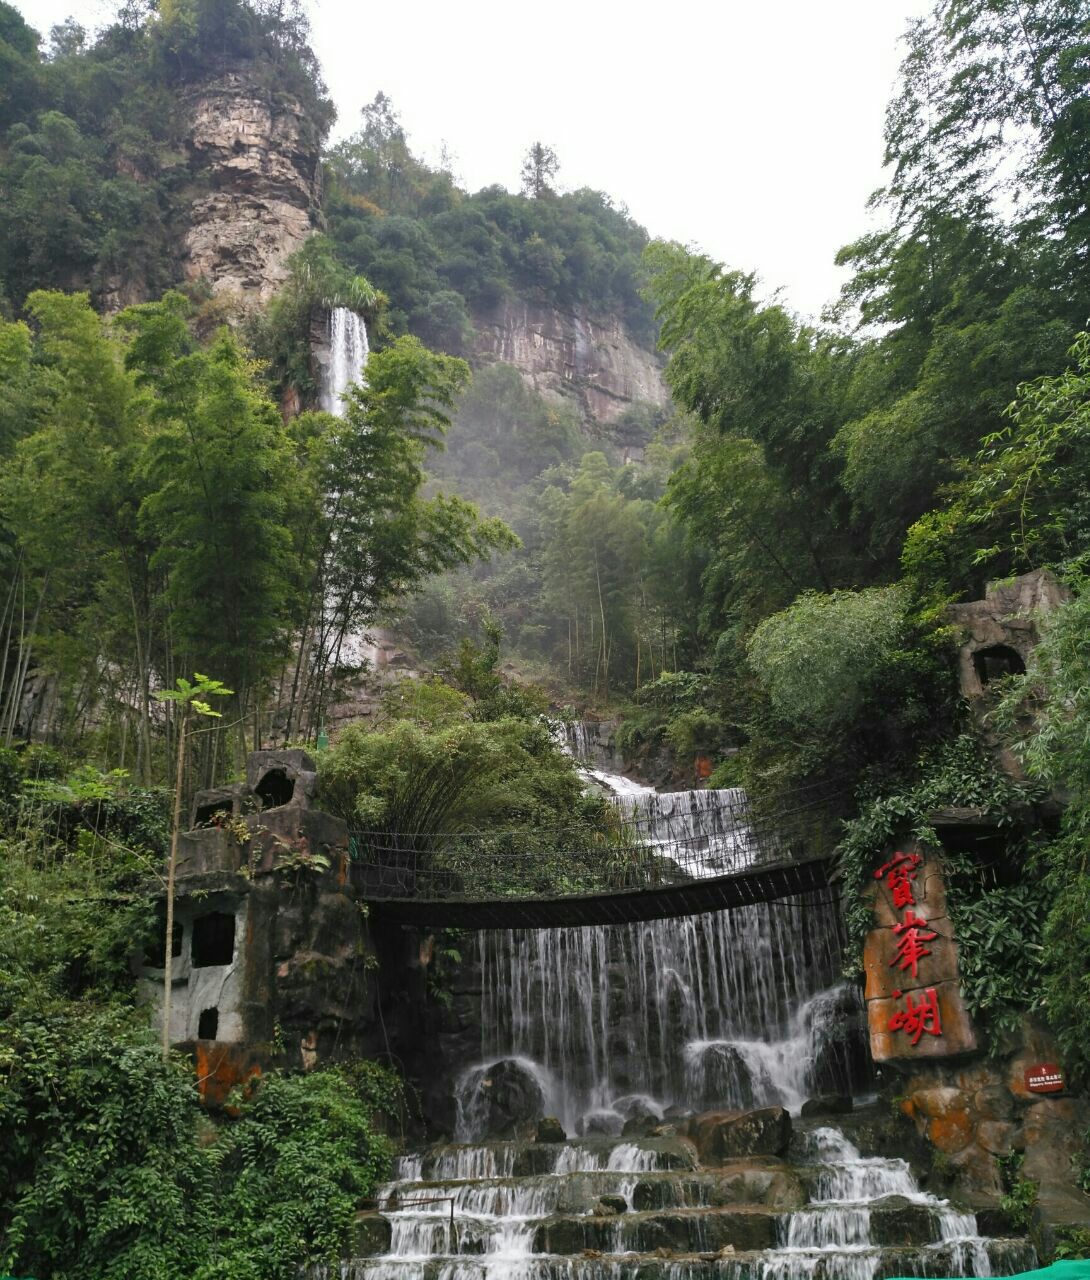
column 724, row 1135
column 625, row 1210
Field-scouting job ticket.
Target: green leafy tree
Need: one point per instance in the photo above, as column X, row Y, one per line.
column 377, row 538
column 539, row 169
column 220, row 483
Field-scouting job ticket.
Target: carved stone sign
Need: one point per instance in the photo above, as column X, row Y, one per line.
column 1046, row 1077
column 914, row 1005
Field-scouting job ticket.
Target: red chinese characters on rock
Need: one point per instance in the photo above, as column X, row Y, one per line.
column 899, row 872
column 918, row 1016
column 912, row 933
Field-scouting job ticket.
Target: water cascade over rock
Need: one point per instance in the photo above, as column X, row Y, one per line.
column 671, row 1053
column 343, row 358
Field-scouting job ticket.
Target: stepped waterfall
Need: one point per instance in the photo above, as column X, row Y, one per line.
column 622, row 1033
column 348, row 352
column 731, row 1009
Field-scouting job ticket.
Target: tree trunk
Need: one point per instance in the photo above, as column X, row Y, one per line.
column 168, row 948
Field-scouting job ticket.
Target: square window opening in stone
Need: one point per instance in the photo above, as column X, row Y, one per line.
column 275, row 789
column 206, row 813
column 996, row 662
column 154, row 955
column 208, row 1024
column 213, row 939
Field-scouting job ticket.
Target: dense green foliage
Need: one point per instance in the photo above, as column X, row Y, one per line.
column 1057, row 753
column 471, row 766
column 441, row 253
column 159, row 516
column 93, row 169
column 110, row 1166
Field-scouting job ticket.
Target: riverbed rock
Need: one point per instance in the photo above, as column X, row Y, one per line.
column 827, row 1104
column 726, row 1135
column 549, row 1129
column 515, row 1100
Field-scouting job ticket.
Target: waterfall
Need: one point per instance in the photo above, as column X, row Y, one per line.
column 605, row 1025
column 731, row 1009
column 833, row 1233
column 348, row 351
column 739, row 1008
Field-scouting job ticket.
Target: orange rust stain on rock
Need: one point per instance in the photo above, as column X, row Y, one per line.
column 950, row 1132
column 219, row 1068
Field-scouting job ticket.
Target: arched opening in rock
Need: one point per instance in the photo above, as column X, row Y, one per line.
column 996, row 662
column 208, row 1024
column 213, row 939
column 275, row 789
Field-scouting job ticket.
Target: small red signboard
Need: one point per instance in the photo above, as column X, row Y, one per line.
column 1046, row 1077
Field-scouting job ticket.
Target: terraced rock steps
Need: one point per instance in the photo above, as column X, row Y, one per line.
column 642, row 1209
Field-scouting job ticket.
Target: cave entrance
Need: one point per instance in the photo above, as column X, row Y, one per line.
column 996, row 662
column 208, row 1024
column 275, row 789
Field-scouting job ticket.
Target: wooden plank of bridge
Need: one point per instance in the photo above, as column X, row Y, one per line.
column 758, row 884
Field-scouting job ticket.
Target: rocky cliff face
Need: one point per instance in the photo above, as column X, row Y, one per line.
column 573, row 355
column 257, row 166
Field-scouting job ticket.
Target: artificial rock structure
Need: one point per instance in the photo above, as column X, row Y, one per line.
column 975, row 1102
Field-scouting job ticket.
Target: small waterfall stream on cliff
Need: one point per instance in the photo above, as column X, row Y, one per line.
column 348, row 349
column 348, row 352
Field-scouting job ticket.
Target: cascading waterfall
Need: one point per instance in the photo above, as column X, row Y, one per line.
column 733, row 1009
column 836, row 1226
column 605, row 1025
column 348, row 352
column 736, row 1008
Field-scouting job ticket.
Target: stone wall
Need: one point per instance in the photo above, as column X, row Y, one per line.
column 278, row 960
column 976, row 1114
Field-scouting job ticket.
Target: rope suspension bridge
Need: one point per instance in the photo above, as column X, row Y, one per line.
column 714, row 852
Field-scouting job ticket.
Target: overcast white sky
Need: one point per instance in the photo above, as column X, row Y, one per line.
column 750, row 129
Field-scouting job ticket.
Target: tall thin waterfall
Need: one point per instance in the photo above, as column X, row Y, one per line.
column 348, row 351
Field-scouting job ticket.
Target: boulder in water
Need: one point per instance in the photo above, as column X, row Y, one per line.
column 720, row 1075
column 601, row 1122
column 609, row 1205
column 513, row 1100
column 549, row 1129
column 827, row 1104
column 640, row 1116
column 728, row 1135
